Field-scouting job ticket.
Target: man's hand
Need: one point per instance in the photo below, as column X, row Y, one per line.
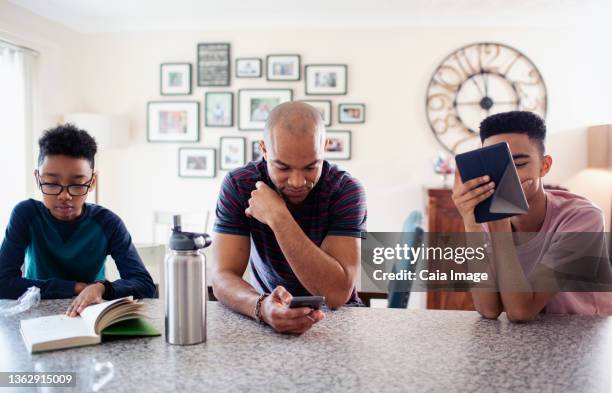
column 469, row 194
column 92, row 294
column 265, row 205
column 275, row 312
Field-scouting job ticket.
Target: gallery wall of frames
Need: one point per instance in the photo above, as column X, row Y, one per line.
column 185, row 113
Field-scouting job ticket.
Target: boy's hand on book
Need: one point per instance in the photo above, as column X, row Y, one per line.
column 469, row 194
column 92, row 294
column 78, row 287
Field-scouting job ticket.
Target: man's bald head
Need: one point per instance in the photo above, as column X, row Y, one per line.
column 294, row 149
column 297, row 119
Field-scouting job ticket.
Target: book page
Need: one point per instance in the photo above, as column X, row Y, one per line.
column 119, row 313
column 91, row 314
column 54, row 328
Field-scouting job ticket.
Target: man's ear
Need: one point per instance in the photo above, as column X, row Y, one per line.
column 546, row 165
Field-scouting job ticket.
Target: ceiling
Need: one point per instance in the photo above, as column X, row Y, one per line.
column 164, row 15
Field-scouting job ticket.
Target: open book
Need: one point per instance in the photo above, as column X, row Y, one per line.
column 61, row 331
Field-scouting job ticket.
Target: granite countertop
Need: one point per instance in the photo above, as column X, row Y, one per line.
column 353, row 349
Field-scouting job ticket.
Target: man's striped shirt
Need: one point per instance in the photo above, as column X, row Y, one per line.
column 335, row 206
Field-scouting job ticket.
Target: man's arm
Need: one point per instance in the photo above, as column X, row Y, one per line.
column 231, row 256
column 328, row 271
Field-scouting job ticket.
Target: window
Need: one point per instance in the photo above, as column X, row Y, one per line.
column 15, row 124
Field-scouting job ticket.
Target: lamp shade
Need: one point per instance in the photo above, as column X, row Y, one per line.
column 110, row 131
column 599, row 144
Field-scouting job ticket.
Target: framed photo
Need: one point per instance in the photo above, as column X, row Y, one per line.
column 256, row 153
column 232, row 152
column 173, row 121
column 254, row 105
column 248, row 67
column 338, row 146
column 219, row 109
column 326, row 79
column 197, row 162
column 351, row 113
column 283, row 67
column 175, row 79
column 324, row 106
column 214, row 64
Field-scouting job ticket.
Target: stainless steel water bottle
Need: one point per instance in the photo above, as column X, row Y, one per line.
column 186, row 290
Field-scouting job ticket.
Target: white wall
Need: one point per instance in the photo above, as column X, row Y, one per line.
column 388, row 70
column 52, row 82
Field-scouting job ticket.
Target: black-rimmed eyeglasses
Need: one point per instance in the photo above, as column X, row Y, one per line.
column 56, row 189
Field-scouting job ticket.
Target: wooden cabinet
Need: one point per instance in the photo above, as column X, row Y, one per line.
column 444, row 217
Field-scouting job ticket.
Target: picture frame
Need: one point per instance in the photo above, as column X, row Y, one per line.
column 213, row 64
column 326, row 79
column 254, row 105
column 174, row 79
column 197, row 162
column 232, row 152
column 219, row 109
column 283, row 67
column 256, row 153
column 325, row 107
column 351, row 113
column 338, row 145
column 173, row 121
column 248, row 67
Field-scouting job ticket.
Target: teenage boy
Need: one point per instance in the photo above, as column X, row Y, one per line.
column 549, row 211
column 63, row 241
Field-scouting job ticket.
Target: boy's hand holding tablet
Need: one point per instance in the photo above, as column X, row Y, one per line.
column 488, row 186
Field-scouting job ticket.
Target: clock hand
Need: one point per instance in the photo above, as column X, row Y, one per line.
column 477, row 86
column 468, row 103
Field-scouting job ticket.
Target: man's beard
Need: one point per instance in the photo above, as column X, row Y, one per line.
column 301, row 193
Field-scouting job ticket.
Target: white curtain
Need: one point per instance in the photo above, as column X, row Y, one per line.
column 15, row 128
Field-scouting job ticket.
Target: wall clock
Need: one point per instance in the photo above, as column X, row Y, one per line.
column 476, row 81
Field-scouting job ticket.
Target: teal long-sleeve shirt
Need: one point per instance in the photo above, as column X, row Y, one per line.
column 57, row 254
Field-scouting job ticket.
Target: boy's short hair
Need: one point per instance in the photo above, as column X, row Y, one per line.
column 67, row 140
column 519, row 122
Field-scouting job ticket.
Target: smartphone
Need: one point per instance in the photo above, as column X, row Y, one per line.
column 314, row 302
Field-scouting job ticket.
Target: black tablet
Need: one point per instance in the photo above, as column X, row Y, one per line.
column 496, row 161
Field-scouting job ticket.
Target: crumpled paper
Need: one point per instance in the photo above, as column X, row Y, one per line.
column 29, row 299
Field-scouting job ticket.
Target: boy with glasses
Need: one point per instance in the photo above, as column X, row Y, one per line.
column 62, row 241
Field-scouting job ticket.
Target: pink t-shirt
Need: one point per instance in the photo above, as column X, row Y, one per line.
column 567, row 212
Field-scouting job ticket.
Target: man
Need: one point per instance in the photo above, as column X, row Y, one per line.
column 297, row 218
column 516, row 263
column 64, row 241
